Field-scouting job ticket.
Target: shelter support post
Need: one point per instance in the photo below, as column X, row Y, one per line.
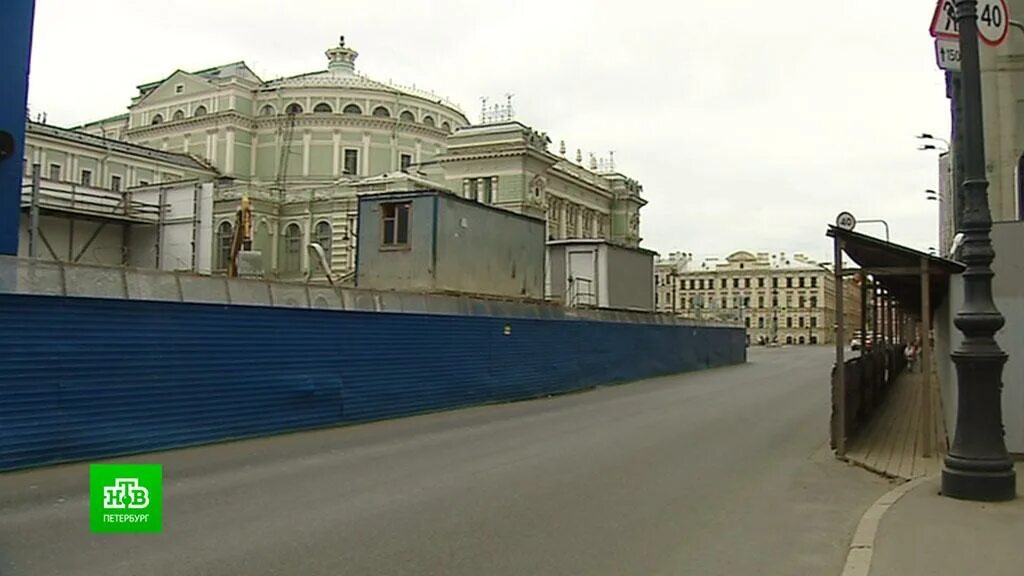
column 840, row 379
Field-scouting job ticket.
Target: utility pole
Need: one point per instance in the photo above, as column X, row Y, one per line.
column 977, row 466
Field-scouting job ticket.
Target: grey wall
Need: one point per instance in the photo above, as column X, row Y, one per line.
column 481, row 250
column 556, row 271
column 408, row 269
column 630, row 279
column 1008, row 290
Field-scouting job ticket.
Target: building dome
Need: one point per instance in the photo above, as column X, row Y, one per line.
column 341, row 73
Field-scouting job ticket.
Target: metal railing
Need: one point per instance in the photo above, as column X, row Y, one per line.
column 87, row 200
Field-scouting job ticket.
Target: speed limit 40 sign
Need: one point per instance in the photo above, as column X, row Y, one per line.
column 993, row 21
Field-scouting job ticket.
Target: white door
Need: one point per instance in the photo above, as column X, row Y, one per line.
column 582, row 278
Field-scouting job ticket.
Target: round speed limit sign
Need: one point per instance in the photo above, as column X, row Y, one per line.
column 993, row 21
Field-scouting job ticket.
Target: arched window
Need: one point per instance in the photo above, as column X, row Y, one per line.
column 200, row 111
column 323, row 237
column 352, row 109
column 293, row 108
column 405, row 116
column 446, row 127
column 323, row 108
column 292, row 261
column 267, row 110
column 429, row 121
column 158, row 119
column 225, row 235
column 179, row 115
column 381, row 112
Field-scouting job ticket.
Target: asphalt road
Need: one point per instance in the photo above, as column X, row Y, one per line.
column 725, row 471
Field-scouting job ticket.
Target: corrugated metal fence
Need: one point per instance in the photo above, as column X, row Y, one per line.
column 84, row 378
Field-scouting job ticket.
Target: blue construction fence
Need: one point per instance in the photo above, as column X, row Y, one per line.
column 84, row 378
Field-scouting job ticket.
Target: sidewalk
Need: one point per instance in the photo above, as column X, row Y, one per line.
column 892, row 444
column 924, row 533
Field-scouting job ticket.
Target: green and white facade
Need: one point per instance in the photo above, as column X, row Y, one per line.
column 303, row 147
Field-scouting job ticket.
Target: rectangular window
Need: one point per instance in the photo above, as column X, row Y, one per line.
column 487, row 195
column 814, row 301
column 801, row 321
column 86, row 178
column 54, row 171
column 814, row 321
column 775, row 282
column 472, row 190
column 725, row 302
column 395, row 220
column 789, row 322
column 735, row 282
column 405, row 161
column 814, row 281
column 801, row 281
column 115, row 183
column 724, row 283
column 351, row 164
column 746, row 282
column 760, row 322
column 760, row 282
column 803, row 301
column 700, row 284
column 747, row 321
column 789, row 282
column 760, row 301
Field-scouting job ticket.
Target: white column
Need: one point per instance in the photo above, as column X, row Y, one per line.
column 306, row 137
column 211, row 147
column 365, row 160
column 419, row 151
column 229, row 155
column 563, row 218
column 335, row 163
column 254, row 138
column 231, row 101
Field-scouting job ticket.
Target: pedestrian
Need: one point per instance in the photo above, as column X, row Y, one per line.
column 911, row 354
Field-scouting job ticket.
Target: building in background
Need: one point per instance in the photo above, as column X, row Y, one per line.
column 303, row 148
column 435, row 241
column 779, row 298
column 600, row 274
column 107, row 202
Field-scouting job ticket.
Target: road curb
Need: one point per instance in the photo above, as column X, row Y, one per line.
column 862, row 547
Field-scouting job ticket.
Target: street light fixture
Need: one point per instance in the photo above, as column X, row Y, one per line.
column 977, row 466
column 927, row 136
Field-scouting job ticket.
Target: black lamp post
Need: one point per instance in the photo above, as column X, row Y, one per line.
column 977, row 466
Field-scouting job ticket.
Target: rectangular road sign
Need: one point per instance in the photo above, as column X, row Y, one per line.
column 947, row 54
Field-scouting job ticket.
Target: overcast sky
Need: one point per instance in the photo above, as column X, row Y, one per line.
column 750, row 123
